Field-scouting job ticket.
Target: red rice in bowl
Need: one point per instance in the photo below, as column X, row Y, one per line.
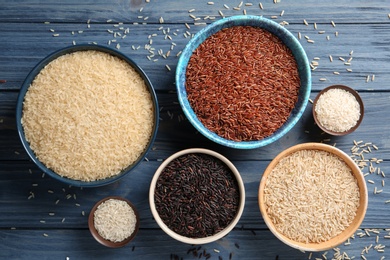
column 242, row 82
column 88, row 115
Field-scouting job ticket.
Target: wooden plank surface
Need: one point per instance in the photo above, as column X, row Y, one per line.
column 41, row 218
column 19, row 55
column 239, row 244
column 358, row 11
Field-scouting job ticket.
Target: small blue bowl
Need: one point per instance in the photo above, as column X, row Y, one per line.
column 246, row 20
column 19, row 112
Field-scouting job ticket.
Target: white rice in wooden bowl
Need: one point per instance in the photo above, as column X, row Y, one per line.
column 115, row 220
column 88, row 115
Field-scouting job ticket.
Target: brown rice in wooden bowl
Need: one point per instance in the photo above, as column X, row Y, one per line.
column 313, row 197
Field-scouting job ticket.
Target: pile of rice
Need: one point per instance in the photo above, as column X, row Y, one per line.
column 88, row 115
column 311, row 196
column 115, row 220
column 337, row 110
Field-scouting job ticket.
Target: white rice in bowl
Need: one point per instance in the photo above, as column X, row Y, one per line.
column 115, row 220
column 88, row 115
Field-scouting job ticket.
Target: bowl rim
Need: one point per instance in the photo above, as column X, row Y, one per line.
column 100, row 239
column 35, row 71
column 349, row 231
column 258, row 21
column 358, row 99
column 203, row 240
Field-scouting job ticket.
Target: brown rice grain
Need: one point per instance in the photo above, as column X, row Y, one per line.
column 287, row 208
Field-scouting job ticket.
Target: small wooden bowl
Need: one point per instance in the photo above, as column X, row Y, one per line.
column 358, row 99
column 99, row 238
column 361, row 210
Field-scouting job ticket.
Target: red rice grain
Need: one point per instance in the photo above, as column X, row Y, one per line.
column 242, row 82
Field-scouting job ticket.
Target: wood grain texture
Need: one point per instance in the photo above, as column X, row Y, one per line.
column 154, row 244
column 41, row 218
column 36, row 11
column 19, row 55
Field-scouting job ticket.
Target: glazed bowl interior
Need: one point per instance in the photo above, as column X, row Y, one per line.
column 344, row 235
column 203, row 240
column 287, row 38
column 358, row 99
column 96, row 234
column 19, row 113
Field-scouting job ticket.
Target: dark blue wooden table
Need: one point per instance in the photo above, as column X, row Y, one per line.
column 41, row 218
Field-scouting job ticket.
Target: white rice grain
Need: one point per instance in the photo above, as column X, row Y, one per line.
column 87, row 102
column 337, row 110
column 115, row 220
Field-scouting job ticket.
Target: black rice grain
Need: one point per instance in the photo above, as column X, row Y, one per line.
column 196, row 195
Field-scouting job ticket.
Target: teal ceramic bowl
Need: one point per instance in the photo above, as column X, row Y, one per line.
column 19, row 113
column 288, row 39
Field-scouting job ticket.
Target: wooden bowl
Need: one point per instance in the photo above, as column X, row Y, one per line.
column 358, row 99
column 344, row 235
column 102, row 240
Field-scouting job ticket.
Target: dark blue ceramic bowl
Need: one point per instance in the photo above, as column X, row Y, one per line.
column 35, row 72
column 246, row 20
